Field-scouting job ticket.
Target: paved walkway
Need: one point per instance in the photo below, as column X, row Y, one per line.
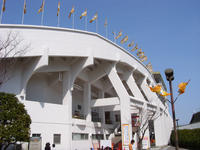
column 167, row 148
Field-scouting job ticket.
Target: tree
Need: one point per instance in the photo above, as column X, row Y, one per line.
column 143, row 123
column 11, row 45
column 14, row 121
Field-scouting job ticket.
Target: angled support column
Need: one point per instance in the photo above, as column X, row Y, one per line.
column 146, row 90
column 132, row 85
column 124, row 101
column 31, row 68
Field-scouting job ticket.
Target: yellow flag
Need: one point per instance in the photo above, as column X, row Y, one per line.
column 182, row 87
column 133, row 49
column 131, row 44
column 149, row 66
column 156, row 88
column 164, row 93
column 125, row 39
column 136, row 46
column 94, row 18
column 140, row 53
column 4, row 5
column 25, row 7
column 58, row 11
column 119, row 34
column 71, row 12
column 41, row 7
column 144, row 59
column 106, row 22
column 84, row 13
column 141, row 56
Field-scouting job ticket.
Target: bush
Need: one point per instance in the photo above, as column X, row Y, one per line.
column 187, row 138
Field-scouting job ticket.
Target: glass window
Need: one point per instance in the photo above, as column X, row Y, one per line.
column 36, row 135
column 79, row 136
column 57, row 138
column 97, row 136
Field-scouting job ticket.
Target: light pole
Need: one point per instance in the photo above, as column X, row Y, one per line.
column 170, row 77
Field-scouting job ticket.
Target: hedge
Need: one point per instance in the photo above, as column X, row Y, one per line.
column 187, row 138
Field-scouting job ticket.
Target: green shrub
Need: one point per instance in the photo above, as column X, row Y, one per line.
column 14, row 120
column 187, row 138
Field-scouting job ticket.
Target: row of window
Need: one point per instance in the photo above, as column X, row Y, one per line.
column 75, row 136
column 56, row 137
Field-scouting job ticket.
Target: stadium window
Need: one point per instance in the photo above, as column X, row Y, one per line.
column 57, row 138
column 36, row 135
column 79, row 136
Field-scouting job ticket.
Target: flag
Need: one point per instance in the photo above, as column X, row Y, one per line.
column 94, row 18
column 141, row 56
column 149, row 67
column 156, row 88
column 164, row 93
column 71, row 12
column 106, row 22
column 144, row 59
column 25, row 7
column 133, row 49
column 131, row 44
column 84, row 13
column 136, row 47
column 125, row 39
column 58, row 11
column 182, row 87
column 119, row 34
column 140, row 53
column 41, row 7
column 4, row 5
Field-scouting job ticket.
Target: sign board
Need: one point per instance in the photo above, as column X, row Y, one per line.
column 125, row 134
column 145, row 143
column 35, row 143
column 105, row 143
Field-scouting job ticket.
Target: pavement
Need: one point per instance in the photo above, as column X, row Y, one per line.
column 166, row 148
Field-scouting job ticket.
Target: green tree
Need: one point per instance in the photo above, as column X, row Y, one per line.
column 14, row 121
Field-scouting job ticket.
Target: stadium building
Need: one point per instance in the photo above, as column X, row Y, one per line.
column 80, row 89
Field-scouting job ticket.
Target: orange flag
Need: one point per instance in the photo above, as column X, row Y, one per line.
column 25, row 7
column 156, row 88
column 4, row 5
column 58, row 11
column 41, row 7
column 94, row 18
column 182, row 87
column 71, row 12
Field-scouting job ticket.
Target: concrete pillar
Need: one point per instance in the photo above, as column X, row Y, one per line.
column 124, row 103
column 101, row 95
column 86, row 101
column 67, row 102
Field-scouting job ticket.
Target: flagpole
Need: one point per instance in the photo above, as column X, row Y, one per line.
column 114, row 35
column 106, row 31
column 73, row 21
column 23, row 13
column 96, row 25
column 86, row 22
column 1, row 13
column 42, row 14
column 58, row 24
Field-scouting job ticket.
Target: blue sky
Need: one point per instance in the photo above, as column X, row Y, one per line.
column 168, row 31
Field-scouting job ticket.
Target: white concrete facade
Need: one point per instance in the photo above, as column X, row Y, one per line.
column 75, row 83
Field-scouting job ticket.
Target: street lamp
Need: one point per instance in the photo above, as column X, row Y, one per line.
column 170, row 77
